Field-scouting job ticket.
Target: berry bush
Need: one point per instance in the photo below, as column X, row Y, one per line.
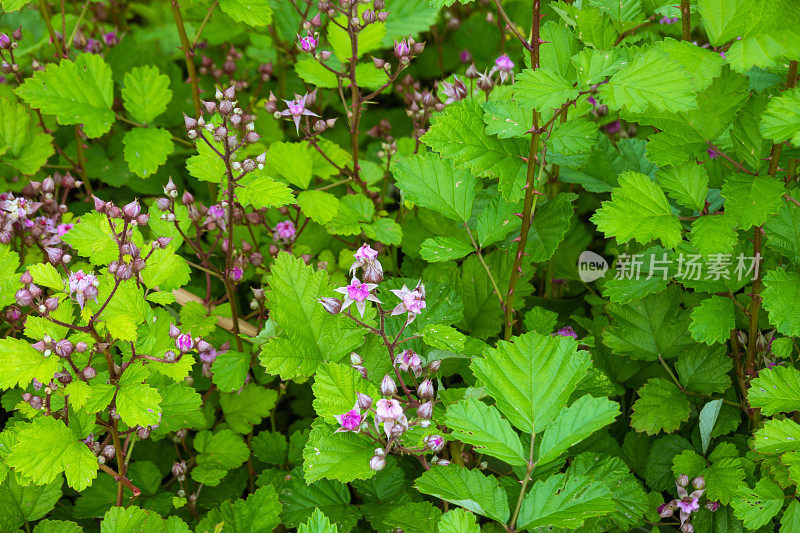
column 399, row 265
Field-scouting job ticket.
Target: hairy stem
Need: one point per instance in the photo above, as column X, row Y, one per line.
column 686, row 21
column 188, row 52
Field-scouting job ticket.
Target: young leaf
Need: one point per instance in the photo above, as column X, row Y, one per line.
column 146, row 149
column 713, row 320
column 781, row 118
column 775, row 390
column 318, row 523
column 458, row 520
column 335, row 390
column 145, row 93
column 532, row 377
column 76, row 92
column 481, row 425
column 230, row 369
column 467, row 488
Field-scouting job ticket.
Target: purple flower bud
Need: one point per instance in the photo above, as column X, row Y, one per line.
column 567, row 332
column 174, row 332
column 189, row 122
column 665, row 511
column 401, row 49
column 12, row 314
column 36, row 402
column 108, row 451
column 682, row 480
column 26, row 278
column 388, row 387
column 170, row 189
column 699, row 483
column 81, row 347
column 236, row 273
column 434, row 442
column 687, row 527
column 64, row 348
column 364, row 401
column 435, row 365
column 5, row 41
column 712, row 506
column 377, row 463
column 184, row 342
column 51, row 304
column 425, row 389
column 132, row 210
column 24, row 297
column 425, row 411
column 54, row 255
column 331, row 305
column 89, row 372
column 142, row 432
column 179, row 470
column 99, row 205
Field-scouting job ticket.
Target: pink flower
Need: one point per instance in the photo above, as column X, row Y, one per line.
column 504, row 63
column 358, row 293
column 307, row 43
column 434, row 442
column 236, row 273
column 688, row 505
column 284, row 232
column 408, row 359
column 401, row 48
column 216, row 211
column 63, row 229
column 411, row 301
column 366, row 257
column 184, row 342
column 365, row 254
column 385, row 409
column 567, row 332
column 297, row 108
column 84, row 286
column 351, row 420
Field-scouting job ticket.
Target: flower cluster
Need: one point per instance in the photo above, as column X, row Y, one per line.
column 686, row 502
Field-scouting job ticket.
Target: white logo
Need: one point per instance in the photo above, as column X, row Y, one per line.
column 591, row 266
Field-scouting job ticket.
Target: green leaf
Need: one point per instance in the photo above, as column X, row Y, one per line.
column 458, row 134
column 145, row 93
column 15, row 5
column 650, row 81
column 91, row 237
column 496, row 221
column 20, row 364
column 443, row 337
column 76, row 92
column 223, row 450
column 775, row 390
column 57, row 526
column 781, row 118
column 713, row 320
column 45, row 274
column 431, row 182
column 712, row 235
column 312, row 72
column 318, row 523
column 339, row 456
column 532, row 377
column 313, row 335
column 564, row 501
column 138, row 404
column 543, row 89
column 20, row 504
column 259, row 513
column 573, row 137
column 723, row 19
column 166, row 270
column 661, row 406
column 292, row 161
column 467, row 488
column 23, row 145
column 781, row 298
column 130, row 520
column 251, row 12
column 458, row 520
column 708, row 418
column 369, row 39
column 270, row 447
column 335, row 389
column 755, row 507
column 247, row 407
column 439, row 249
column 783, row 232
column 506, row 119
column 548, row 227
column 777, row 436
column 790, row 521
column 45, row 448
column 206, row 165
column 319, row 206
column 687, row 184
column 638, row 210
column 704, row 369
column 750, row 200
column 409, row 18
column 146, row 149
column 482, row 426
column 262, row 191
column 575, row 423
column 230, row 368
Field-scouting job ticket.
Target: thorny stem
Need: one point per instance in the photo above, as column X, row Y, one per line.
column 355, row 95
column 229, row 288
column 530, row 194
column 686, row 21
column 188, row 52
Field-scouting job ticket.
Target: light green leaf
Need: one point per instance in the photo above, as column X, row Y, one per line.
column 251, row 12
column 23, row 145
column 458, row 520
column 755, row 507
column 339, row 456
column 781, row 298
column 247, row 407
column 319, row 206
column 76, row 92
column 206, row 165
column 496, row 221
column 431, row 182
column 777, row 436
column 145, row 93
column 712, row 235
column 439, row 249
column 166, row 270
column 335, row 389
column 638, row 210
column 723, row 19
column 564, row 501
column 661, row 406
column 687, row 184
column 230, row 368
column 708, row 418
column 481, row 425
column 262, row 191
column 443, row 337
column 506, row 119
column 575, row 423
column 146, row 149
column 750, row 200
column 45, row 274
column 467, row 488
column 223, row 450
column 543, row 89
column 713, row 320
column 775, row 390
column 20, row 504
column 292, row 161
column 532, row 377
column 45, row 448
column 131, row 520
column 20, row 364
column 318, row 523
column 573, row 137
column 91, row 237
column 790, row 521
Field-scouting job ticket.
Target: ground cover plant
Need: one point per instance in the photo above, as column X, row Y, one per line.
column 399, row 265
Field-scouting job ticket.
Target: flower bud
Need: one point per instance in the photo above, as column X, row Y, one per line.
column 435, row 365
column 89, row 372
column 24, row 297
column 170, row 189
column 377, row 463
column 665, row 511
column 682, row 480
column 388, row 387
column 143, row 432
column 699, row 483
column 364, row 401
column 331, row 305
column 179, row 470
column 51, row 304
column 36, row 402
column 163, row 203
column 434, row 442
column 483, row 465
column 425, row 389
column 108, row 451
column 81, row 346
column 64, row 348
column 425, row 411
column 356, row 359
column 687, row 528
column 174, row 331
column 26, row 278
column 712, row 506
column 741, row 336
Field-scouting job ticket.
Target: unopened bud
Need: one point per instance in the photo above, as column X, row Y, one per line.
column 331, row 305
column 699, row 483
column 364, row 401
column 425, row 411
column 682, row 480
column 425, row 389
column 377, row 463
column 356, row 359
column 388, row 387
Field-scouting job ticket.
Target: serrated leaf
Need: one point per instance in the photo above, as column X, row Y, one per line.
column 166, row 270
column 338, row 456
column 705, row 369
column 76, row 92
column 45, row 274
column 661, row 407
column 713, row 320
column 781, row 299
column 20, row 364
column 755, row 507
column 146, row 149
column 549, row 226
column 23, row 145
column 750, row 200
column 496, row 221
column 575, row 423
column 532, row 377
column 145, row 93
column 223, row 450
column 506, row 119
column 319, row 206
column 206, row 165
column 251, row 12
column 775, row 390
column 712, row 235
column 91, row 237
column 292, row 161
column 45, row 448
column 261, row 191
column 335, row 390
column 247, row 406
column 230, row 369
column 687, row 184
column 439, row 249
column 783, row 232
column 318, row 523
column 638, row 210
column 790, row 521
column 443, row 337
column 543, row 89
column 573, row 137
column 467, row 488
column 430, row 182
column 458, row 520
column 481, row 425
column 20, row 504
column 777, row 436
column 780, row 120
column 564, row 501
